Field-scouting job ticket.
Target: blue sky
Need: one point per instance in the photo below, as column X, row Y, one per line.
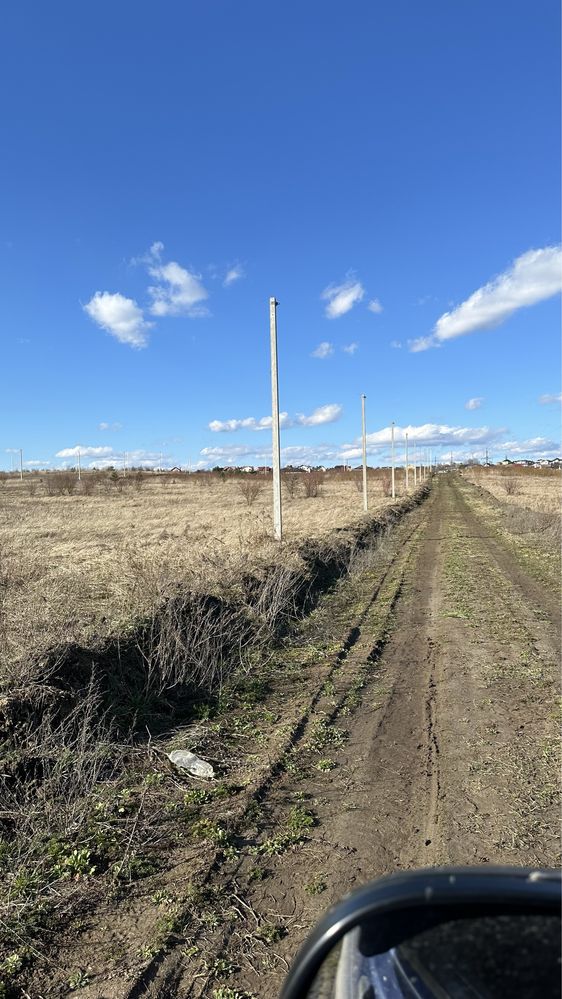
column 390, row 172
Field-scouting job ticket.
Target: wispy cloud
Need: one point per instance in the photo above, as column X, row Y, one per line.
column 396, row 344
column 119, row 316
column 322, row 414
column 110, row 426
column 36, row 464
column 233, row 274
column 138, row 457
column 350, row 348
column 550, row 397
column 85, row 452
column 236, row 454
column 533, row 277
column 474, row 403
column 463, row 442
column 426, row 434
column 536, row 447
column 375, row 306
column 179, row 291
column 323, row 350
column 341, row 298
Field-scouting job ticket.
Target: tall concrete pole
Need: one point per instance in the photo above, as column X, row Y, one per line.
column 415, row 467
column 364, row 440
column 79, row 466
column 21, row 464
column 392, row 459
column 407, row 469
column 276, row 445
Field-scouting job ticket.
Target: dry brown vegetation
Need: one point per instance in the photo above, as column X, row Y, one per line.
column 79, row 561
column 127, row 607
column 533, row 488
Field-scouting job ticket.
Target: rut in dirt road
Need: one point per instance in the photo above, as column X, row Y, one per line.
column 449, row 756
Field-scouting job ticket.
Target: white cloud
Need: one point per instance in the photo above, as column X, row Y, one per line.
column 234, row 274
column 533, row 447
column 149, row 459
column 323, row 350
column 322, row 414
column 350, row 348
column 550, row 397
column 119, row 316
column 427, row 434
column 110, row 426
column 36, row 464
column 463, row 442
column 85, row 452
column 375, row 306
column 295, row 455
column 179, row 292
column 474, row 403
column 533, row 277
column 396, row 344
column 342, row 297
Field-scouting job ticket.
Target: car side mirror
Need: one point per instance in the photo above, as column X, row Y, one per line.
column 459, row 932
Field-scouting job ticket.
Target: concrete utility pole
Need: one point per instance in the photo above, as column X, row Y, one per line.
column 79, row 466
column 392, row 458
column 21, row 464
column 364, row 440
column 415, row 467
column 276, row 444
column 407, row 469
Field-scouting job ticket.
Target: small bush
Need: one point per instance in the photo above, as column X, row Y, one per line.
column 250, row 489
column 511, row 487
column 291, row 484
column 312, row 483
column 386, row 483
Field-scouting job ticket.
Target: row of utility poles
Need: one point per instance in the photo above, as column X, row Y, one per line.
column 424, row 470
column 425, row 467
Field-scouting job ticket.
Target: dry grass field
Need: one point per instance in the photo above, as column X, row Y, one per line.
column 79, row 567
column 536, row 489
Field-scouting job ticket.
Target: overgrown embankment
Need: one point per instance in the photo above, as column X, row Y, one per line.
column 72, row 736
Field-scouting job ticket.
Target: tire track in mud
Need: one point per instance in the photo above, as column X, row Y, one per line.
column 164, row 972
column 429, row 730
column 403, row 793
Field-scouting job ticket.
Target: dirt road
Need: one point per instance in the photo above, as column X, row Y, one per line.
column 429, row 738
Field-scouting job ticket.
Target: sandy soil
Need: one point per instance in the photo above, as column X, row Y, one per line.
column 413, row 724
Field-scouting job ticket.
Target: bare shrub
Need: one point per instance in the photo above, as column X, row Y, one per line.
column 88, row 483
column 358, row 481
column 312, row 483
column 511, row 487
column 250, row 489
column 61, row 483
column 31, row 487
column 386, row 485
column 4, row 476
column 139, row 480
column 291, row 484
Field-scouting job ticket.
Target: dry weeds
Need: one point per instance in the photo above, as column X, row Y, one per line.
column 80, row 566
column 535, row 488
